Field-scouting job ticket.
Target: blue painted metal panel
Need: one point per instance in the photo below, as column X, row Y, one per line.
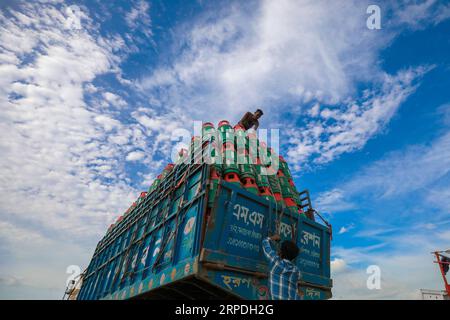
column 314, row 259
column 237, row 227
column 162, row 240
column 169, row 240
column 244, row 286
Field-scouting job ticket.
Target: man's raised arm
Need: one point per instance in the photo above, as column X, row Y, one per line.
column 268, row 250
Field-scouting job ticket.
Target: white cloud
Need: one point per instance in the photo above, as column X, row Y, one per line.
column 352, row 285
column 315, row 110
column 421, row 171
column 108, row 123
column 345, row 229
column 135, row 156
column 139, row 17
column 402, row 239
column 288, row 57
column 419, row 14
column 444, row 113
column 54, row 149
column 10, row 281
column 406, row 171
column 333, row 201
column 61, row 158
column 160, row 128
column 439, row 197
column 114, row 100
column 282, row 51
column 10, row 233
column 406, row 266
column 348, row 128
column 338, row 265
column 33, row 265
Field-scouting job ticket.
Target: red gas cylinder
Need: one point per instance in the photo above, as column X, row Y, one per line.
column 214, row 174
column 270, row 171
column 240, row 137
column 223, row 123
column 249, row 183
column 278, row 197
column 232, row 177
column 228, row 146
column 207, row 131
column 290, row 204
column 196, row 142
column 196, row 145
column 291, row 183
column 208, row 125
column 266, row 193
column 183, row 153
column 252, row 135
column 182, row 156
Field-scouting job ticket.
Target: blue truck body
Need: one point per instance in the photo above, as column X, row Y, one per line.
column 179, row 247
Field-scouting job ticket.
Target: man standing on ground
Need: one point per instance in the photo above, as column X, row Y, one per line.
column 284, row 275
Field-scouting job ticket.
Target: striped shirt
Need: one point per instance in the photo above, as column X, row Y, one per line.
column 284, row 275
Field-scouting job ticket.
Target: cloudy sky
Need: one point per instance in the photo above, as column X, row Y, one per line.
column 87, row 112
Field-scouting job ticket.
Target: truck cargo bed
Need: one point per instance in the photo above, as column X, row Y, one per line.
column 179, row 247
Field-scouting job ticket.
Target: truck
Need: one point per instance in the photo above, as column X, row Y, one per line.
column 199, row 238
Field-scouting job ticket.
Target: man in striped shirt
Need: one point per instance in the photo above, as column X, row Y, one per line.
column 284, row 274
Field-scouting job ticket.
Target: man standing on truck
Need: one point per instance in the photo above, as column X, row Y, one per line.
column 250, row 120
column 284, row 274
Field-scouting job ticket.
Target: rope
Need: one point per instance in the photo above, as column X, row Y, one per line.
column 326, row 223
column 79, row 279
column 178, row 221
column 280, row 217
column 191, row 165
column 276, row 211
column 163, row 247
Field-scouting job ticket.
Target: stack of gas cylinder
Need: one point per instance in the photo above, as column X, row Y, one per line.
column 238, row 157
column 133, row 205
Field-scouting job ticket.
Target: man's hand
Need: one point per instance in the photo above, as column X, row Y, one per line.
column 275, row 237
column 301, row 293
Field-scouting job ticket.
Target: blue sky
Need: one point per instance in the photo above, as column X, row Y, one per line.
column 87, row 118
